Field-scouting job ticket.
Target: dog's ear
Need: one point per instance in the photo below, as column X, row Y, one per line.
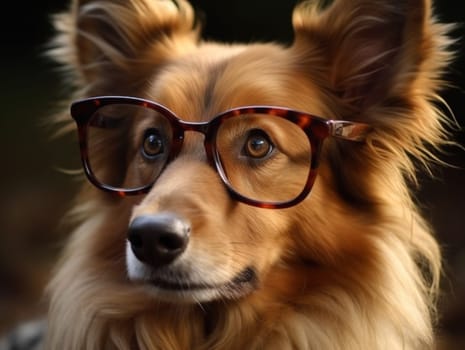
column 383, row 61
column 101, row 38
column 375, row 48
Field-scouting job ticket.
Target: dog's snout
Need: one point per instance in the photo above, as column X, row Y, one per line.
column 158, row 239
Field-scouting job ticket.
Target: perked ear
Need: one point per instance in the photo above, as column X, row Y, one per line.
column 376, row 48
column 383, row 62
column 99, row 38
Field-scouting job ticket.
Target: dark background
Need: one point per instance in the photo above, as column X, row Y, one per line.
column 34, row 194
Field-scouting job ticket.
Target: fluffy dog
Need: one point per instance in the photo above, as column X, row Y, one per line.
column 202, row 233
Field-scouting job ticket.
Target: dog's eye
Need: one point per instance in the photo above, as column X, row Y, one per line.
column 153, row 144
column 258, row 144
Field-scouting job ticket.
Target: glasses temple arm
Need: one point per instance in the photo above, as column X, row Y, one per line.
column 351, row 131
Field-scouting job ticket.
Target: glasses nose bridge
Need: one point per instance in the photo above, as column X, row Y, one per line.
column 200, row 127
column 204, row 128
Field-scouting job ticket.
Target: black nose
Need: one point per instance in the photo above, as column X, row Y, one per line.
column 158, row 239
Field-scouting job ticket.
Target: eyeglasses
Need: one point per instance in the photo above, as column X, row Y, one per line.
column 266, row 156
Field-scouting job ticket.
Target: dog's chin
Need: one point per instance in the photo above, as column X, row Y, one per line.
column 194, row 292
column 176, row 286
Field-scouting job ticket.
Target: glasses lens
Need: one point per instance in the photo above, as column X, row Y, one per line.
column 264, row 157
column 128, row 145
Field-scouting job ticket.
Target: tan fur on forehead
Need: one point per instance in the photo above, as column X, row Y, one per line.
column 215, row 78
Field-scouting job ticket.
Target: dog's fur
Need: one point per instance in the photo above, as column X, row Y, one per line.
column 354, row 266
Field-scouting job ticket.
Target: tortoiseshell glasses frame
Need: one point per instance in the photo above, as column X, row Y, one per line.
column 316, row 129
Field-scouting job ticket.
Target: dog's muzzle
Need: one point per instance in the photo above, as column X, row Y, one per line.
column 158, row 258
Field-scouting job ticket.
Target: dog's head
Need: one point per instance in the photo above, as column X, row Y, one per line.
column 204, row 227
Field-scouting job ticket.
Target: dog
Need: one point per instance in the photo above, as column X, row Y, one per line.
column 251, row 196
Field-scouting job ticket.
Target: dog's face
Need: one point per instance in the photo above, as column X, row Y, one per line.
column 188, row 239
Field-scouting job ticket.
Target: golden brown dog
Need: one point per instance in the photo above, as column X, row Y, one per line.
column 203, row 233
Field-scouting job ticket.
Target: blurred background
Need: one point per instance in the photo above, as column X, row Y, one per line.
column 35, row 194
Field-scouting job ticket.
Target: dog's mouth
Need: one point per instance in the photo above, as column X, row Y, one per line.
column 180, row 289
column 247, row 276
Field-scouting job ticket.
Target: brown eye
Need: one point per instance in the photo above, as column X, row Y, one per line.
column 257, row 145
column 153, row 144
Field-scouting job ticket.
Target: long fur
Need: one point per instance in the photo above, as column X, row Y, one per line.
column 354, row 266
